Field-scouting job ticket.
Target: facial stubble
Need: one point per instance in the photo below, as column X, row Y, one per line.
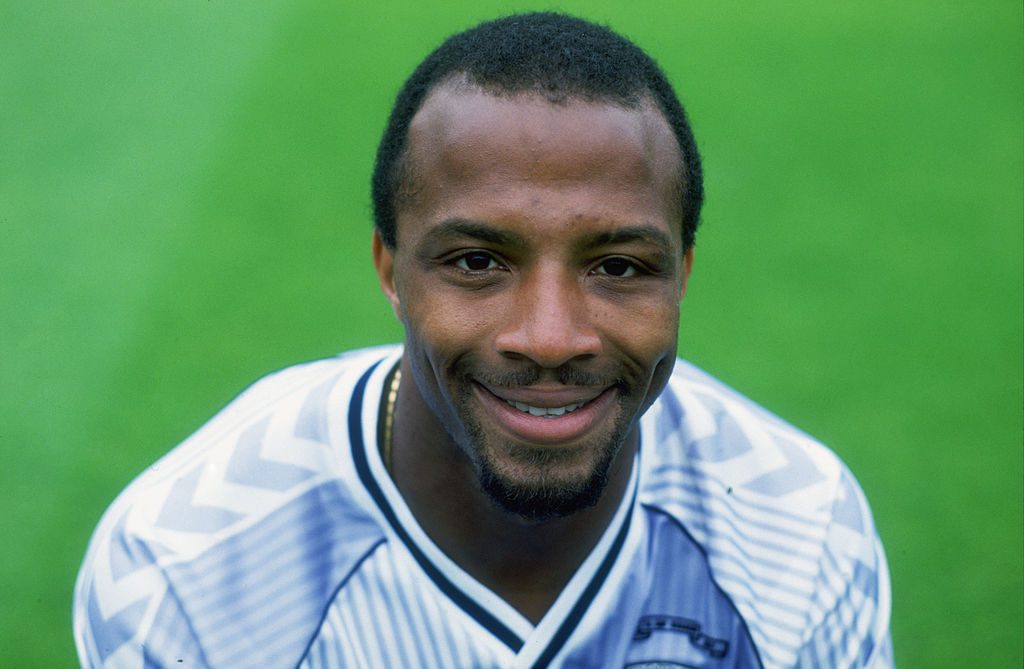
column 543, row 488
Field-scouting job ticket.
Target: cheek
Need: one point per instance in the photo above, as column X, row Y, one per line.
column 443, row 317
column 646, row 329
column 444, row 330
column 651, row 341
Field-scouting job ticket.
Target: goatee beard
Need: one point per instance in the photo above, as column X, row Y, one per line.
column 548, row 495
column 545, row 499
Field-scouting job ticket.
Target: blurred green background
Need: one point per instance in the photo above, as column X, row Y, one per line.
column 184, row 207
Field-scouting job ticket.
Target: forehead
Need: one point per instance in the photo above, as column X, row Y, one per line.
column 468, row 147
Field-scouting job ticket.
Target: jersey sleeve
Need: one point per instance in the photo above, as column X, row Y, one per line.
column 126, row 615
column 851, row 605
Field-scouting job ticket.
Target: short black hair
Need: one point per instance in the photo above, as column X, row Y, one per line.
column 557, row 56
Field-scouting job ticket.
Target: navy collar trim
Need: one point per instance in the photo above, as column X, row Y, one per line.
column 484, row 617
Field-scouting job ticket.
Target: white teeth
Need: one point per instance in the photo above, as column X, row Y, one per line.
column 549, row 412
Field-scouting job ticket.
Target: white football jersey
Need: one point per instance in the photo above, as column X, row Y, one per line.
column 274, row 537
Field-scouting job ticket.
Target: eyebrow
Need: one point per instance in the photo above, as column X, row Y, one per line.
column 462, row 227
column 648, row 234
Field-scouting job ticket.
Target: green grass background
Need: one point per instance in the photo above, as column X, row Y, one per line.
column 184, row 207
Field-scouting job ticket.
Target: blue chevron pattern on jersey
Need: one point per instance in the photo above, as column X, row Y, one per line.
column 248, row 468
column 274, row 538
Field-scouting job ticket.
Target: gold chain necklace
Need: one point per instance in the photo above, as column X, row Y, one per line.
column 389, row 418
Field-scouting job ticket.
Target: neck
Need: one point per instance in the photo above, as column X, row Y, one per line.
column 525, row 562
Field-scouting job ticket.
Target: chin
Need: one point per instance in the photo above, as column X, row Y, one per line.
column 533, row 481
column 540, row 484
column 539, row 500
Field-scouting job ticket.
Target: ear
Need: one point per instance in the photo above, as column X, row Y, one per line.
column 384, row 262
column 687, row 268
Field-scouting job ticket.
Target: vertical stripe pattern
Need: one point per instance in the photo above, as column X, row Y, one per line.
column 388, row 616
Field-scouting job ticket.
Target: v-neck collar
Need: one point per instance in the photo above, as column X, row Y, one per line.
column 534, row 645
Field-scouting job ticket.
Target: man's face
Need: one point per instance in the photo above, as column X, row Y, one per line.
column 538, row 274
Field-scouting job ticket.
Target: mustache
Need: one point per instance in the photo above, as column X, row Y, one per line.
column 566, row 375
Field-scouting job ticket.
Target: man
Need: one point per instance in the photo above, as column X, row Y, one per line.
column 533, row 479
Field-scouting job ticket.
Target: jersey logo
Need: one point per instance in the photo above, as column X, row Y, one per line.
column 691, row 628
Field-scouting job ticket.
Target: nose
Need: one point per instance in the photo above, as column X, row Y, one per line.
column 548, row 321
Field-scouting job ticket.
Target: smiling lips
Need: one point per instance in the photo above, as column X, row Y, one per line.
column 547, row 412
column 547, row 416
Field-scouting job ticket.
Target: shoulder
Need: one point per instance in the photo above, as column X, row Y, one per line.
column 708, row 428
column 241, row 509
column 275, row 438
column 706, row 432
column 785, row 527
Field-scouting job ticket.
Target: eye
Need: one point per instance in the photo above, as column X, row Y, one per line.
column 476, row 261
column 617, row 267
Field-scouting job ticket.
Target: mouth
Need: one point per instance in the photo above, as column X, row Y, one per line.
column 547, row 416
column 545, row 412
